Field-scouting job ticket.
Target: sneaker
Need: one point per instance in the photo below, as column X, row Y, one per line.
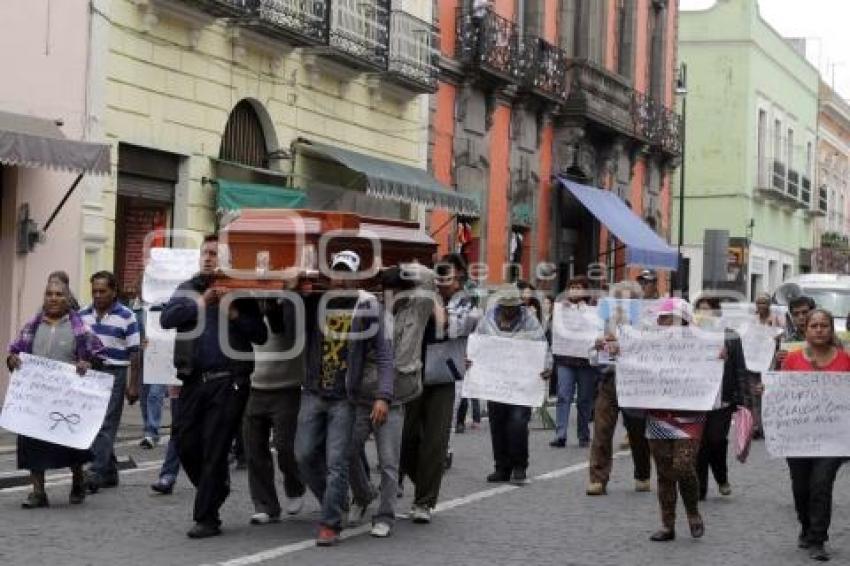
column 421, row 515
column 558, row 443
column 595, row 488
column 162, row 487
column 356, row 513
column 147, row 443
column 642, row 486
column 264, row 519
column 327, row 536
column 294, row 505
column 380, row 530
column 817, row 551
column 204, row 530
column 499, row 477
column 518, row 477
column 725, row 489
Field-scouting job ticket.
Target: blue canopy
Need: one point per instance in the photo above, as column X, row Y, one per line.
column 643, row 246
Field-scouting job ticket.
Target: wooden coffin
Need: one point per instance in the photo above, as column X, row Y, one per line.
column 262, row 248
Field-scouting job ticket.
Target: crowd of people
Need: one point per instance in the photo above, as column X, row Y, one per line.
column 385, row 363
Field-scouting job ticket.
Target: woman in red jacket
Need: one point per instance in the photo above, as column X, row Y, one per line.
column 812, row 479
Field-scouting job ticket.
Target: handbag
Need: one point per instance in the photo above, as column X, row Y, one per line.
column 437, row 355
column 743, row 433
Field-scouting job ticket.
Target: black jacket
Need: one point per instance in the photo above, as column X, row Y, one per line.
column 736, row 379
column 204, row 352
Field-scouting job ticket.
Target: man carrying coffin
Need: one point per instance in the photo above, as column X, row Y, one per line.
column 215, row 386
column 508, row 318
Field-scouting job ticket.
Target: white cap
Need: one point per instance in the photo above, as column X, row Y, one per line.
column 348, row 259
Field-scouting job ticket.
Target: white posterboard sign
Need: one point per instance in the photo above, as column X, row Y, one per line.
column 669, row 368
column 167, row 268
column 50, row 401
column 159, row 352
column 575, row 330
column 806, row 414
column 759, row 344
column 505, row 370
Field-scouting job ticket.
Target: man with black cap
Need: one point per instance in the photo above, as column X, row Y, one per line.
column 334, row 364
column 648, row 281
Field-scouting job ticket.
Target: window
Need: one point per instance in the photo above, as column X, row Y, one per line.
column 244, row 140
column 625, row 37
column 657, row 24
column 762, row 165
column 777, row 141
column 568, row 19
column 808, row 172
column 790, row 160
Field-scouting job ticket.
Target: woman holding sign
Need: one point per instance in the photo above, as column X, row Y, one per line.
column 56, row 333
column 812, row 479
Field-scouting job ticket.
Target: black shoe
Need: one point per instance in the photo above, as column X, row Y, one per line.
column 77, row 495
column 110, row 482
column 447, row 463
column 35, row 500
column 499, row 477
column 460, row 428
column 584, row 443
column 92, row 482
column 204, row 530
column 162, row 487
column 558, row 443
column 803, row 540
column 818, row 552
column 518, row 477
column 663, row 535
column 697, row 527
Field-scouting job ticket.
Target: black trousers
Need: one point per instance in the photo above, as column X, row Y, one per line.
column 268, row 411
column 812, row 480
column 463, row 407
column 210, row 415
column 509, row 435
column 713, row 448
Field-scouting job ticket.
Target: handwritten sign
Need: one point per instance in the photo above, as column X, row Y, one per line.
column 806, row 414
column 616, row 312
column 505, row 370
column 574, row 330
column 165, row 270
column 759, row 343
column 48, row 400
column 669, row 368
column 159, row 352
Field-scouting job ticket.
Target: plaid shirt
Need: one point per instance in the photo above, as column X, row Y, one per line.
column 88, row 346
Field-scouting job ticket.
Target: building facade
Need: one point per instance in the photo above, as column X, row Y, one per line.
column 751, row 130
column 532, row 89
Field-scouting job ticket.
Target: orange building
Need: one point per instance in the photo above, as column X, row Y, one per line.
column 535, row 89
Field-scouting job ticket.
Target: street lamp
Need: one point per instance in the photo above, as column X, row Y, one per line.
column 682, row 90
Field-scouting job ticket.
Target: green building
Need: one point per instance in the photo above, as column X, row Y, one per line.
column 751, row 124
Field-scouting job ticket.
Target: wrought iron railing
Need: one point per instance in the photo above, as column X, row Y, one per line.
column 659, row 125
column 823, row 199
column 488, row 41
column 806, row 191
column 793, row 183
column 543, row 66
column 360, row 28
column 778, row 176
column 307, row 18
column 413, row 53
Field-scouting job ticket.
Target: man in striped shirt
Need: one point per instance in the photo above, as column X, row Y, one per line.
column 118, row 330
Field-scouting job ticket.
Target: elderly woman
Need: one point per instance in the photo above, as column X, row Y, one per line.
column 56, row 333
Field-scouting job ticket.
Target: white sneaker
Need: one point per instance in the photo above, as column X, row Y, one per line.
column 263, row 519
column 356, row 513
column 294, row 505
column 421, row 515
column 380, row 530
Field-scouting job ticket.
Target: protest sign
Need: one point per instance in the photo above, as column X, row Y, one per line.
column 669, row 368
column 50, row 401
column 167, row 268
column 575, row 330
column 506, row 370
column 759, row 344
column 158, row 364
column 806, row 414
column 616, row 312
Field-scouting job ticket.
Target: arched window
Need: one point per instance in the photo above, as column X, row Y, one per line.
column 244, row 140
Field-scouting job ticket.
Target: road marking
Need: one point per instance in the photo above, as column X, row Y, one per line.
column 292, row 548
column 65, row 479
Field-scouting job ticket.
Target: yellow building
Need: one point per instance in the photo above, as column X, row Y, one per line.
column 210, row 102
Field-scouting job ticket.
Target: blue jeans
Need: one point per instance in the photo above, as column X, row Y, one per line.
column 104, row 463
column 569, row 379
column 151, row 398
column 171, row 465
column 323, row 452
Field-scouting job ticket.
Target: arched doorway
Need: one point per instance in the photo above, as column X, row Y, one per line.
column 244, row 138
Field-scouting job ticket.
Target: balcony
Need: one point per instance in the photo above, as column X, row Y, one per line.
column 413, row 53
column 779, row 176
column 806, row 192
column 490, row 44
column 793, row 187
column 226, row 8
column 660, row 126
column 359, row 32
column 300, row 22
column 542, row 68
column 599, row 96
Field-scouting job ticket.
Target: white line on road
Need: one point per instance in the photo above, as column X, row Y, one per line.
column 306, row 544
column 65, row 479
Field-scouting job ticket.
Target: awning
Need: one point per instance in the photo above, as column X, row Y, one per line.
column 236, row 196
column 643, row 246
column 394, row 181
column 27, row 141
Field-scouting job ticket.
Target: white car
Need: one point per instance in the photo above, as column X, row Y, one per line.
column 829, row 291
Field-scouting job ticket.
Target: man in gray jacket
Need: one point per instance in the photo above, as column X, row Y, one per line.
column 409, row 291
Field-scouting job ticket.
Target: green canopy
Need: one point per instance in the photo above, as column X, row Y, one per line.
column 233, row 195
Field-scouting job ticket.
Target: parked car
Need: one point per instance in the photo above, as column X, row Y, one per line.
column 830, row 291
